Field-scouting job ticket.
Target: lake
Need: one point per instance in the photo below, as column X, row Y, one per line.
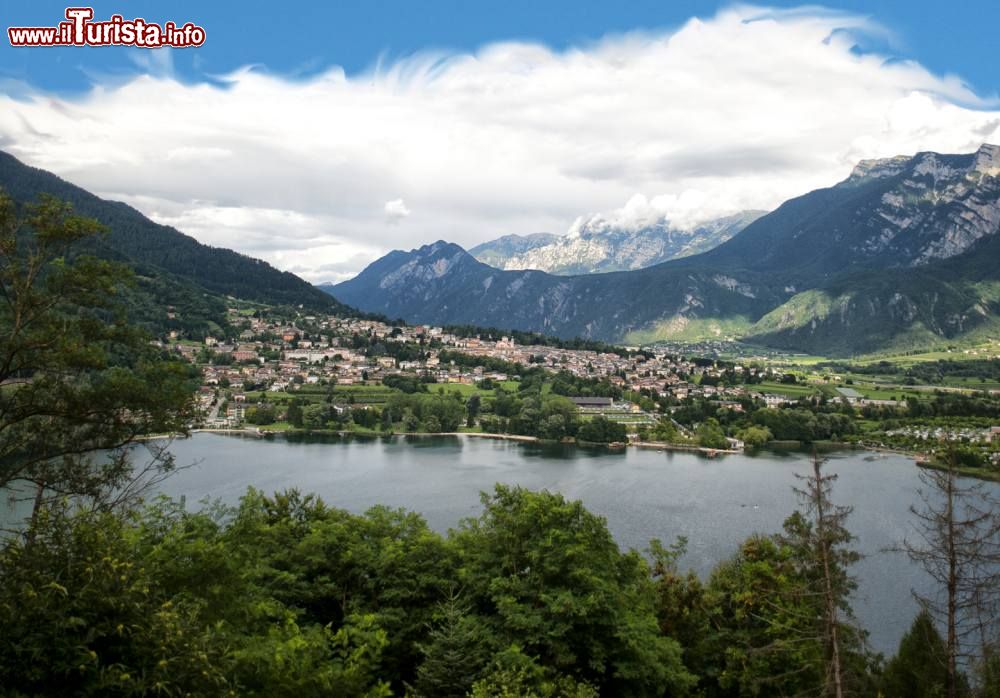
column 643, row 494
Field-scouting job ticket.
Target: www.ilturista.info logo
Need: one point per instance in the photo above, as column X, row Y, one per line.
column 80, row 30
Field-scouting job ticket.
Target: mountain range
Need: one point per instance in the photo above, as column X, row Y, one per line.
column 598, row 245
column 903, row 252
column 172, row 269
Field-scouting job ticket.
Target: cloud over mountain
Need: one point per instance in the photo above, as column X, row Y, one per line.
column 738, row 111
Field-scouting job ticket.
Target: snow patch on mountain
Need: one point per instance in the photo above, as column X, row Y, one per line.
column 634, row 237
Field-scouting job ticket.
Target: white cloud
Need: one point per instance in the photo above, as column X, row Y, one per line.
column 741, row 110
column 395, row 210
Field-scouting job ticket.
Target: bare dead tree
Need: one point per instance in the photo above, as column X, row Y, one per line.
column 957, row 542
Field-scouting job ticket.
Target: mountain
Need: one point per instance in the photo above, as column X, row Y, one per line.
column 899, row 309
column 598, row 245
column 443, row 284
column 173, row 268
column 498, row 252
column 904, row 251
column 897, row 212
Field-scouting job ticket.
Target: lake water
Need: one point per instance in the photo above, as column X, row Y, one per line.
column 643, row 494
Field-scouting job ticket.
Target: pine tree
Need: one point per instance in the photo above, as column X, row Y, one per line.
column 454, row 656
column 919, row 669
column 823, row 542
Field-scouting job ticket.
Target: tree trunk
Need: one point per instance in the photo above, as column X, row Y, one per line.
column 951, row 676
column 36, row 509
column 828, row 596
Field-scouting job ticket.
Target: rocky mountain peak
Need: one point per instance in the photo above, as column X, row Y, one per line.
column 597, row 244
column 877, row 168
column 987, row 159
column 438, row 247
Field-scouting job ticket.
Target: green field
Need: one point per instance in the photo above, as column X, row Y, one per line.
column 969, row 383
column 684, row 329
column 873, row 392
column 371, row 394
column 792, row 390
column 468, row 390
column 277, row 426
column 978, row 351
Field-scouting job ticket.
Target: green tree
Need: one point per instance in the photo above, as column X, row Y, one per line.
column 546, row 575
column 710, row 435
column 685, row 610
column 79, row 382
column 821, row 542
column 472, row 408
column 314, row 416
column 754, row 436
column 516, row 675
column 600, row 429
column 553, row 427
column 665, row 430
column 920, row 667
column 411, row 422
column 242, row 570
column 288, row 660
column 261, row 415
column 294, row 414
column 81, row 616
column 987, row 670
column 455, row 653
column 761, row 618
column 332, row 565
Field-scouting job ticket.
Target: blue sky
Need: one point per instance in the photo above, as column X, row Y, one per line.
column 301, row 38
column 319, row 136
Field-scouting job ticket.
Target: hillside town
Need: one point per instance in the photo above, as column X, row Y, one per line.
column 278, row 355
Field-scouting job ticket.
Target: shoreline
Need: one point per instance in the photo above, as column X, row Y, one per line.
column 480, row 435
column 921, row 460
column 667, row 446
column 260, row 433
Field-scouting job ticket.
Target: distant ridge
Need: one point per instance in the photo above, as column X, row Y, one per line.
column 903, row 252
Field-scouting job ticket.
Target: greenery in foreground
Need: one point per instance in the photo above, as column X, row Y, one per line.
column 284, row 596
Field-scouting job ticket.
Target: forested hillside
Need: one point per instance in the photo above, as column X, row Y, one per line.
column 175, row 268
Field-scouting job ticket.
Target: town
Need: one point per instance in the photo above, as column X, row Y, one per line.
column 269, row 366
column 280, row 355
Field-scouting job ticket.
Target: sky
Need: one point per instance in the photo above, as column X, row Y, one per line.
column 319, row 136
